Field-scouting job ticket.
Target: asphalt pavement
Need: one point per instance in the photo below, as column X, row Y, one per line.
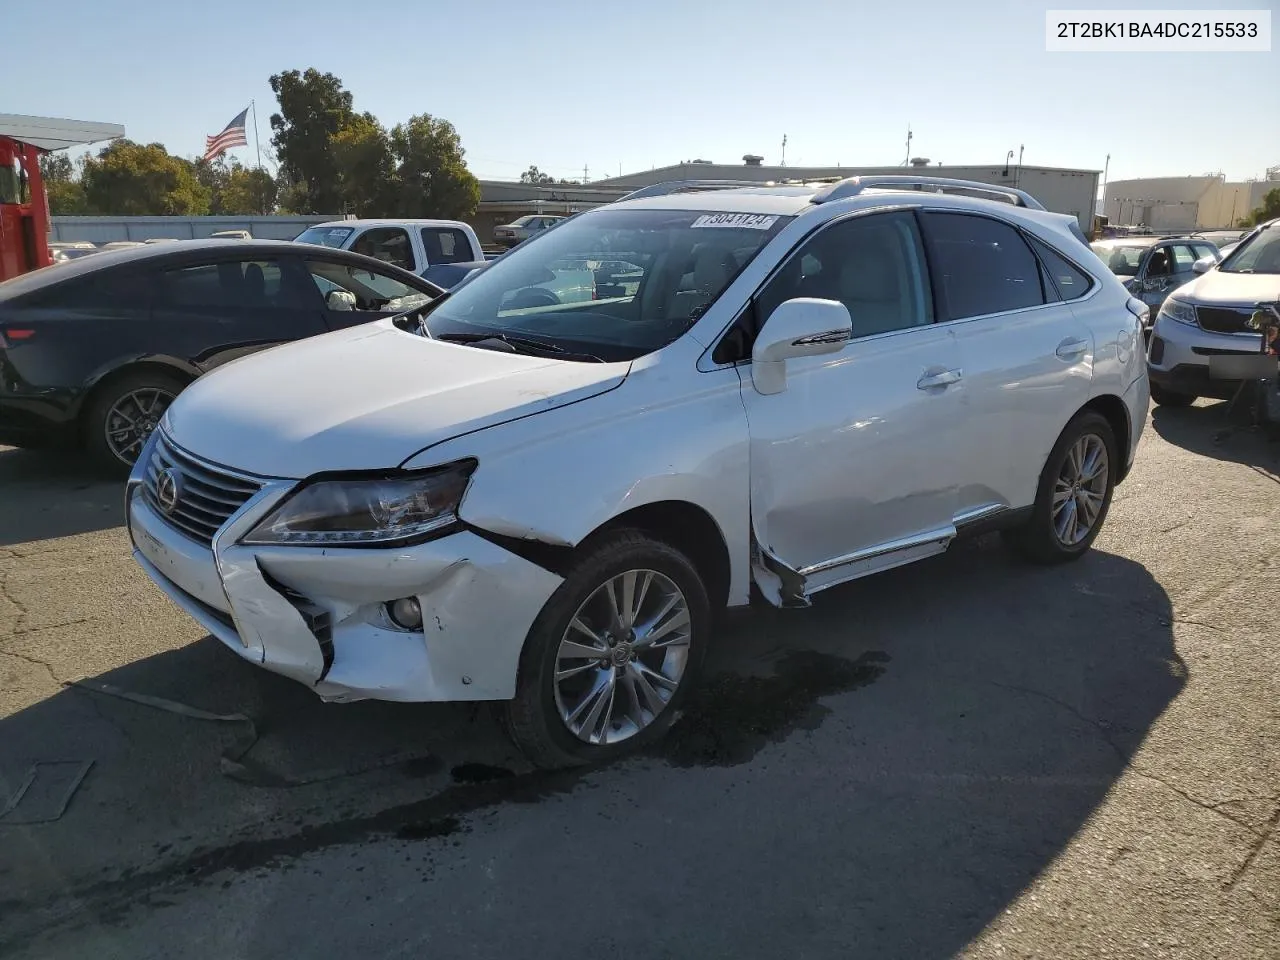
column 965, row 757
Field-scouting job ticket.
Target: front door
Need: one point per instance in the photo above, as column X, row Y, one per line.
column 853, row 465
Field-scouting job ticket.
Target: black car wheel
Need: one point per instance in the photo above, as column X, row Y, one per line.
column 122, row 415
column 1167, row 398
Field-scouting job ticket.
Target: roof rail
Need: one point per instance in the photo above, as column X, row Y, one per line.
column 691, row 186
column 852, row 186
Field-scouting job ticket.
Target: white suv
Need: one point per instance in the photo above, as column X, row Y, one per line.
column 1209, row 317
column 548, row 504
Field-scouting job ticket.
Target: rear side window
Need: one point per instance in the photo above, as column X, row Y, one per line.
column 389, row 244
column 445, row 245
column 236, row 283
column 111, row 290
column 1068, row 281
column 981, row 266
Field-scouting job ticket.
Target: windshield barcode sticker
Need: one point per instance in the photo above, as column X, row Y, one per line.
column 748, row 221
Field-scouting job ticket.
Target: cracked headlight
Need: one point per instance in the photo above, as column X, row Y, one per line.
column 1178, row 310
column 373, row 511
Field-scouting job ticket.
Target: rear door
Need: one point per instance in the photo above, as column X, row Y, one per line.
column 219, row 311
column 1027, row 359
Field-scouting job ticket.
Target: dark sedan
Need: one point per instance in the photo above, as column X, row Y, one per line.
column 93, row 351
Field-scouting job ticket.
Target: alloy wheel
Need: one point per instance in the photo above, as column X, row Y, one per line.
column 1080, row 490
column 132, row 419
column 622, row 657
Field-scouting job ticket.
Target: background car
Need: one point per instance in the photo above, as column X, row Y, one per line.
column 517, row 231
column 414, row 245
column 93, row 353
column 1153, row 267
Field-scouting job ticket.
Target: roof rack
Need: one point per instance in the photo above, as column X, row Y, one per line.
column 853, row 186
column 692, row 186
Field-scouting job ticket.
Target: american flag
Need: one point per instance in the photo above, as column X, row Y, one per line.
column 231, row 136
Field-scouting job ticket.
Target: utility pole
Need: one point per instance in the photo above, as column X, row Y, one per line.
column 584, row 173
column 1106, row 167
column 907, row 161
column 784, row 150
column 1017, row 175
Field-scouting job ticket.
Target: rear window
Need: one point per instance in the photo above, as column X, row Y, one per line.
column 446, row 245
column 982, row 266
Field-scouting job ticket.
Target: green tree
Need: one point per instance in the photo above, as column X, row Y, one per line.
column 250, row 191
column 431, row 178
column 366, row 167
column 1269, row 210
column 129, row 179
column 313, row 109
column 62, row 185
column 536, row 176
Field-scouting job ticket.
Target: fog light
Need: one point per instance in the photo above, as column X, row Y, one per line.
column 405, row 613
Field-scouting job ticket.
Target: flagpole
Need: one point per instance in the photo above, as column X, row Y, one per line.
column 258, row 148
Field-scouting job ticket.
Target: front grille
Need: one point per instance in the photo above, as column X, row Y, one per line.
column 205, row 495
column 1224, row 319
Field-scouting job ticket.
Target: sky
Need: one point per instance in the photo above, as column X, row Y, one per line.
column 613, row 87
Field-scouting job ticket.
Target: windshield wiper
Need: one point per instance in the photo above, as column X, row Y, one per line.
column 527, row 344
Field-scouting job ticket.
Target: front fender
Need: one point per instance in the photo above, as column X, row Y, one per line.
column 556, row 477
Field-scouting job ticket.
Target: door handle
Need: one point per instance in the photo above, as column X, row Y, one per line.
column 943, row 379
column 1072, row 348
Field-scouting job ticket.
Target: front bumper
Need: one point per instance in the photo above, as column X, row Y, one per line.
column 316, row 614
column 1178, row 358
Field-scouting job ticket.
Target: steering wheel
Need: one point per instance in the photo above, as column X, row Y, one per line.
column 533, row 297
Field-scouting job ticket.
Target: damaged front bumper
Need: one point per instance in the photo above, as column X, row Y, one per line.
column 318, row 614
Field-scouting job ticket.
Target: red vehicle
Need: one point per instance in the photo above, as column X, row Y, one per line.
column 25, row 225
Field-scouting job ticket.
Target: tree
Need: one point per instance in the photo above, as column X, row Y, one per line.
column 366, row 167
column 61, row 185
column 1269, row 210
column 431, row 178
column 129, row 179
column 536, row 176
column 313, row 109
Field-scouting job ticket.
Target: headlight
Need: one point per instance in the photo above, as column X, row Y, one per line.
column 382, row 511
column 1178, row 310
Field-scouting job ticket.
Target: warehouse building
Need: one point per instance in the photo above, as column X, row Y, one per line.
column 1184, row 204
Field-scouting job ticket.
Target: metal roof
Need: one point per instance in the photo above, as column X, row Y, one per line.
column 55, row 133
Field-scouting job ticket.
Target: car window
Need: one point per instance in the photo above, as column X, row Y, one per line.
column 981, row 266
column 325, row 236
column 346, row 287
column 235, row 283
column 1068, row 281
column 1203, row 250
column 445, row 245
column 874, row 265
column 1257, row 253
column 1122, row 259
column 390, row 244
column 112, row 289
column 1183, row 257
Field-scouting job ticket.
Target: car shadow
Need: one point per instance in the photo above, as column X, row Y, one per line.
column 1211, row 431
column 907, row 755
column 55, row 493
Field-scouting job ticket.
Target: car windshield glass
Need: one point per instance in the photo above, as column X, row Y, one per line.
column 616, row 284
column 1121, row 260
column 1258, row 254
column 325, row 236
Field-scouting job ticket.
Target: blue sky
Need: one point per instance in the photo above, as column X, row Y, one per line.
column 631, row 86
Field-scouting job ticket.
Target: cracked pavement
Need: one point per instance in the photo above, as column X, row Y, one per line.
column 967, row 757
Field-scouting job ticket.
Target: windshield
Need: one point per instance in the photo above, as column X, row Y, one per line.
column 1257, row 254
column 1121, row 260
column 325, row 236
column 613, row 284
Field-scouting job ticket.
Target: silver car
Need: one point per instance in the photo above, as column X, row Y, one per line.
column 1153, row 267
column 1209, row 317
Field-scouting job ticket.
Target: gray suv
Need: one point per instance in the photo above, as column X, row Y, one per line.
column 1209, row 317
column 1153, row 267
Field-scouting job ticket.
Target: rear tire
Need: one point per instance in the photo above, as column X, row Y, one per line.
column 122, row 413
column 555, row 683
column 1167, row 398
column 1074, row 495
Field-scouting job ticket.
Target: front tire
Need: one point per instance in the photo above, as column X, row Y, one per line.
column 122, row 415
column 1167, row 398
column 1074, row 494
column 611, row 657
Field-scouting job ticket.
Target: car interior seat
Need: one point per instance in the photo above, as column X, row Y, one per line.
column 255, row 285
column 870, row 286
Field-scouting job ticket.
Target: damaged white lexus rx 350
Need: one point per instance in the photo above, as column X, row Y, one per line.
column 543, row 493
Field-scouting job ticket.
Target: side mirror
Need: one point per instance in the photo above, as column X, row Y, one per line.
column 1203, row 265
column 804, row 327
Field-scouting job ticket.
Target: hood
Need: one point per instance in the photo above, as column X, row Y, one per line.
column 1231, row 289
column 366, row 398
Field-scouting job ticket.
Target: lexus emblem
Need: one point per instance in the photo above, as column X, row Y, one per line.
column 167, row 490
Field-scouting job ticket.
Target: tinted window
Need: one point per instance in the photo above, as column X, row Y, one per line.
column 445, row 245
column 386, row 243
column 236, row 283
column 1204, row 250
column 874, row 265
column 116, row 290
column 345, row 287
column 1066, row 279
column 981, row 266
column 1183, row 257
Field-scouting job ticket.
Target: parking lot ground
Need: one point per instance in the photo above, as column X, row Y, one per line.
column 963, row 757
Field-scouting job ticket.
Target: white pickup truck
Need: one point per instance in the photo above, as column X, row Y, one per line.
column 412, row 245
